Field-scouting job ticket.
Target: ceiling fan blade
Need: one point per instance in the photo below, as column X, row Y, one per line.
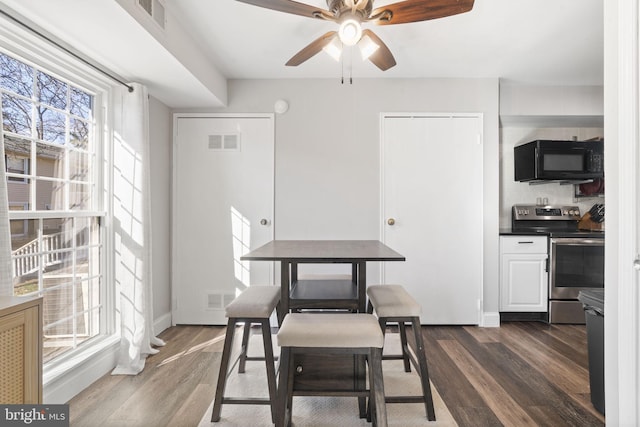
column 418, row 10
column 311, row 49
column 382, row 57
column 293, row 7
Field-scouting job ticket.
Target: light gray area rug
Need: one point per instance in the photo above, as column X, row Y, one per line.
column 326, row 411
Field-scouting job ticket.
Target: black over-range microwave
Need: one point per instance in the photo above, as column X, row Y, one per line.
column 559, row 160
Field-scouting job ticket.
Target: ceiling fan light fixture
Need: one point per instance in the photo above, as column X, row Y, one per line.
column 334, row 49
column 367, row 47
column 350, row 31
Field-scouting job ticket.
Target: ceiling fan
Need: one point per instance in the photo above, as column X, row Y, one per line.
column 351, row 14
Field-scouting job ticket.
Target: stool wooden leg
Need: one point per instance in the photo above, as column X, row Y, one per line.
column 279, row 313
column 283, row 412
column 383, row 328
column 270, row 365
column 424, row 371
column 376, row 387
column 361, row 383
column 244, row 350
column 405, row 348
column 224, row 366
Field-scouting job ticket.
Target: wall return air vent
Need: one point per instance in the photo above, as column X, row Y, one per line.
column 155, row 9
column 224, row 142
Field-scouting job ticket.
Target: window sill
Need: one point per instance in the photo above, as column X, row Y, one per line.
column 65, row 378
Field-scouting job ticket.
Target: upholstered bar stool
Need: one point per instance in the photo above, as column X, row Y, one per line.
column 331, row 334
column 393, row 304
column 252, row 306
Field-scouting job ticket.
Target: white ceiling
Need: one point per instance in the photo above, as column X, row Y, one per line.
column 549, row 42
column 534, row 42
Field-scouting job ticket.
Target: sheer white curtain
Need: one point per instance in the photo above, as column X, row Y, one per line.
column 132, row 226
column 6, row 274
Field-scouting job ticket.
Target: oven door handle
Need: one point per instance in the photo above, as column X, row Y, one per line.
column 576, row 241
column 594, row 311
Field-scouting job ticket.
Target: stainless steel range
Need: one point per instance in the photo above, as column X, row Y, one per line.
column 576, row 258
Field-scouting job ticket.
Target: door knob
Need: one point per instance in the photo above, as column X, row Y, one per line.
column 636, row 264
column 264, row 221
column 391, row 221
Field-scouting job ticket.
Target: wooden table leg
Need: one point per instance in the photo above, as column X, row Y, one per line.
column 362, row 287
column 360, row 275
column 284, row 291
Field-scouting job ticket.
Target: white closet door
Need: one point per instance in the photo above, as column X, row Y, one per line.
column 432, row 196
column 223, row 207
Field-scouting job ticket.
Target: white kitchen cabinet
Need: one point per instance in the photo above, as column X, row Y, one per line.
column 523, row 273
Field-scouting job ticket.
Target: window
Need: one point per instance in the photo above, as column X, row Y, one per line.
column 53, row 180
column 17, row 168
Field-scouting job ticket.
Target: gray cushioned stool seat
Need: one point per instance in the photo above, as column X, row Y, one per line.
column 342, row 330
column 255, row 301
column 393, row 301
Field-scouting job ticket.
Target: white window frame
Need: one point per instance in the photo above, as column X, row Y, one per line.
column 76, row 369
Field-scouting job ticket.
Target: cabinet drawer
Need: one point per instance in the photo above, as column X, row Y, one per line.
column 523, row 244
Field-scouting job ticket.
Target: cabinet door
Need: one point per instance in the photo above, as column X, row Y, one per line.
column 523, row 283
column 20, row 360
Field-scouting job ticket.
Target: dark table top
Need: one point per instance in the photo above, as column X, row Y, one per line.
column 323, row 251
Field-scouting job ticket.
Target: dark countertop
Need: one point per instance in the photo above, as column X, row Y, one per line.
column 553, row 233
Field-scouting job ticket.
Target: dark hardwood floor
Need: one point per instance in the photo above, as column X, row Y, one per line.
column 523, row 373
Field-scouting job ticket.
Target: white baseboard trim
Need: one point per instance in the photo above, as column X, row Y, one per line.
column 161, row 323
column 490, row 320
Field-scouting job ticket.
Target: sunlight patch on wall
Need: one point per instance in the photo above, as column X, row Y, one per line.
column 241, row 234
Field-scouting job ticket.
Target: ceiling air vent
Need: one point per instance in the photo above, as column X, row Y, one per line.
column 155, row 9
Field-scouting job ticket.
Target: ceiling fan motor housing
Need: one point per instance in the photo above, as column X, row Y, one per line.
column 362, row 8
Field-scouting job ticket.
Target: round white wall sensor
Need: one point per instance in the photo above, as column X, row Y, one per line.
column 281, row 106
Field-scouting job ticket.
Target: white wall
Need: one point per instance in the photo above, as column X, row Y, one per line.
column 328, row 159
column 160, row 140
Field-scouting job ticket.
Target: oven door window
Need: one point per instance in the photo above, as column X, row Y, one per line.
column 579, row 265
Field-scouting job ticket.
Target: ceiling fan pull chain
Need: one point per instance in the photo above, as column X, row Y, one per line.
column 351, row 67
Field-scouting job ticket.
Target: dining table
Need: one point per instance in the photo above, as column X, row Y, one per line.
column 331, row 293
column 317, row 373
